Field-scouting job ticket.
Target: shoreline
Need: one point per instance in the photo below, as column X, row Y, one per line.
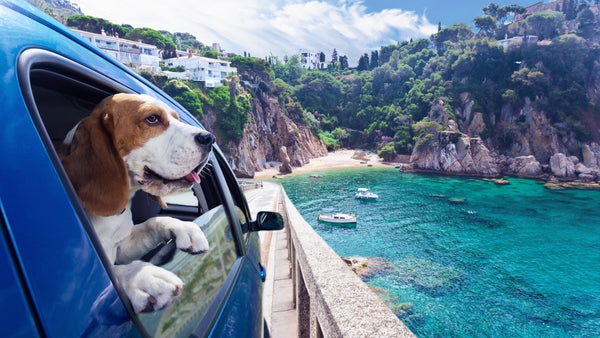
column 339, row 159
column 347, row 159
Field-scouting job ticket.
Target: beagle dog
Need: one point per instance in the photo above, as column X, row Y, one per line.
column 131, row 142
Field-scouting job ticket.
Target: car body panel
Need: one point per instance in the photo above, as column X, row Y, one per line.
column 20, row 321
column 54, row 281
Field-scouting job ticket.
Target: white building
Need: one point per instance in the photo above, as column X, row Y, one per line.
column 137, row 55
column 517, row 39
column 200, row 68
column 310, row 59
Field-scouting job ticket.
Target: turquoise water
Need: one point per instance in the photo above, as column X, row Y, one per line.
column 468, row 257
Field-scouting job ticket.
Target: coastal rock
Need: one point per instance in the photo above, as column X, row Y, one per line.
column 523, row 166
column 540, row 138
column 591, row 155
column 477, row 125
column 360, row 155
column 455, row 153
column 562, row 166
column 285, row 167
column 367, row 267
column 269, row 129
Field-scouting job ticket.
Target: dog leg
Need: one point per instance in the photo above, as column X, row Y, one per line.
column 148, row 287
column 145, row 236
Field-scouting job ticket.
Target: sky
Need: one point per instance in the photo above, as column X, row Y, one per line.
column 282, row 27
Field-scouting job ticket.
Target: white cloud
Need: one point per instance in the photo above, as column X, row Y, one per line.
column 279, row 27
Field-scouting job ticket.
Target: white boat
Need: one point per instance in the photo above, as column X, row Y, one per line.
column 364, row 193
column 337, row 217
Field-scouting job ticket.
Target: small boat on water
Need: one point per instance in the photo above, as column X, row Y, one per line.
column 337, row 217
column 365, row 194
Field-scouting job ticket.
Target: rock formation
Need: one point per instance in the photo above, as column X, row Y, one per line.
column 270, row 129
column 536, row 148
column 523, row 166
column 285, row 167
column 453, row 152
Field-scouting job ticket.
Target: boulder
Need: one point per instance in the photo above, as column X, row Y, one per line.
column 455, row 153
column 562, row 166
column 366, row 267
column 523, row 166
column 590, row 155
column 285, row 167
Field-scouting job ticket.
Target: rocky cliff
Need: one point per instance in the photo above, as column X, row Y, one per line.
column 271, row 138
column 532, row 146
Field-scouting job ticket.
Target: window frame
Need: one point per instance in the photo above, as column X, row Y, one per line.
column 34, row 59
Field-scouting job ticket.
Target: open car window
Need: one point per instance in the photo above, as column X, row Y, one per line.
column 59, row 93
column 203, row 275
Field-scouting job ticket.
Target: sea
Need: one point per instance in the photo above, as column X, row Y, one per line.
column 467, row 257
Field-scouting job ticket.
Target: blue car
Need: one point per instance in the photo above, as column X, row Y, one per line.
column 56, row 280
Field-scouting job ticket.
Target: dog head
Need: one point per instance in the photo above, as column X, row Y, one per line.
column 132, row 142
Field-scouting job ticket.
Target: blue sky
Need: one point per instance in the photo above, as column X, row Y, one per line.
column 282, row 27
column 445, row 11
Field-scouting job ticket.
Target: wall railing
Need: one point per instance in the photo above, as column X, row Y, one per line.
column 332, row 301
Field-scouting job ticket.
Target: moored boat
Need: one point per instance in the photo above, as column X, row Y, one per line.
column 364, row 193
column 337, row 217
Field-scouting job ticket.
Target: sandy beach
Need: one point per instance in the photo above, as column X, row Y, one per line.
column 345, row 158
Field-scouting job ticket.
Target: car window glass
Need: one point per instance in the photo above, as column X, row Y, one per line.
column 202, row 276
column 185, row 198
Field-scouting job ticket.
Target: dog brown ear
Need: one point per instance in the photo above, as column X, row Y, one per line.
column 95, row 168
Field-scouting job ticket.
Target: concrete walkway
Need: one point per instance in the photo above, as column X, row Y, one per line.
column 279, row 309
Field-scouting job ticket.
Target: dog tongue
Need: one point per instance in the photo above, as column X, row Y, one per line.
column 193, row 177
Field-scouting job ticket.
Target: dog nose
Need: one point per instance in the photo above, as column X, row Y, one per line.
column 205, row 139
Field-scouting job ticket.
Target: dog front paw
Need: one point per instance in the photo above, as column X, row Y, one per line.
column 148, row 287
column 188, row 235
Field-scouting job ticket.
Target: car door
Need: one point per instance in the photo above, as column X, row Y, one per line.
column 66, row 277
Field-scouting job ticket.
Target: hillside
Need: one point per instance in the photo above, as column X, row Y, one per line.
column 58, row 9
column 459, row 103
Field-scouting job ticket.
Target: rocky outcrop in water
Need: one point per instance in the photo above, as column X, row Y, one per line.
column 455, row 153
column 536, row 148
column 522, row 166
column 452, row 151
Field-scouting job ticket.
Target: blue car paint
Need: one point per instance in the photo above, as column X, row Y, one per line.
column 53, row 277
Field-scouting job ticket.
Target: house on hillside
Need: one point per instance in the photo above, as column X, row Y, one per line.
column 200, row 68
column 556, row 5
column 137, row 55
column 518, row 39
column 311, row 59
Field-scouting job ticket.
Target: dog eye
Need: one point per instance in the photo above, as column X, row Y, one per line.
column 153, row 120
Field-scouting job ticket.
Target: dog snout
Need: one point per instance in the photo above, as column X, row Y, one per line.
column 205, row 140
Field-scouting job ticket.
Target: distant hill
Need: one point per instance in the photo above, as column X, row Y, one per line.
column 58, row 9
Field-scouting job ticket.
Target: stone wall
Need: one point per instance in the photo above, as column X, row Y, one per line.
column 332, row 300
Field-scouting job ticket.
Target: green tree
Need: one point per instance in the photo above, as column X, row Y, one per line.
column 363, row 62
column 452, row 34
column 319, row 92
column 330, row 142
column 388, row 151
column 486, row 24
column 96, row 25
column 546, row 25
column 374, row 59
column 152, row 37
column 343, row 62
column 289, row 71
column 183, row 94
column 231, row 110
column 425, row 132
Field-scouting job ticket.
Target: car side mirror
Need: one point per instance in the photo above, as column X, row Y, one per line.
column 265, row 220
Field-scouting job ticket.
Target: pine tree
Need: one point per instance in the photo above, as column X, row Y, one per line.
column 374, row 59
